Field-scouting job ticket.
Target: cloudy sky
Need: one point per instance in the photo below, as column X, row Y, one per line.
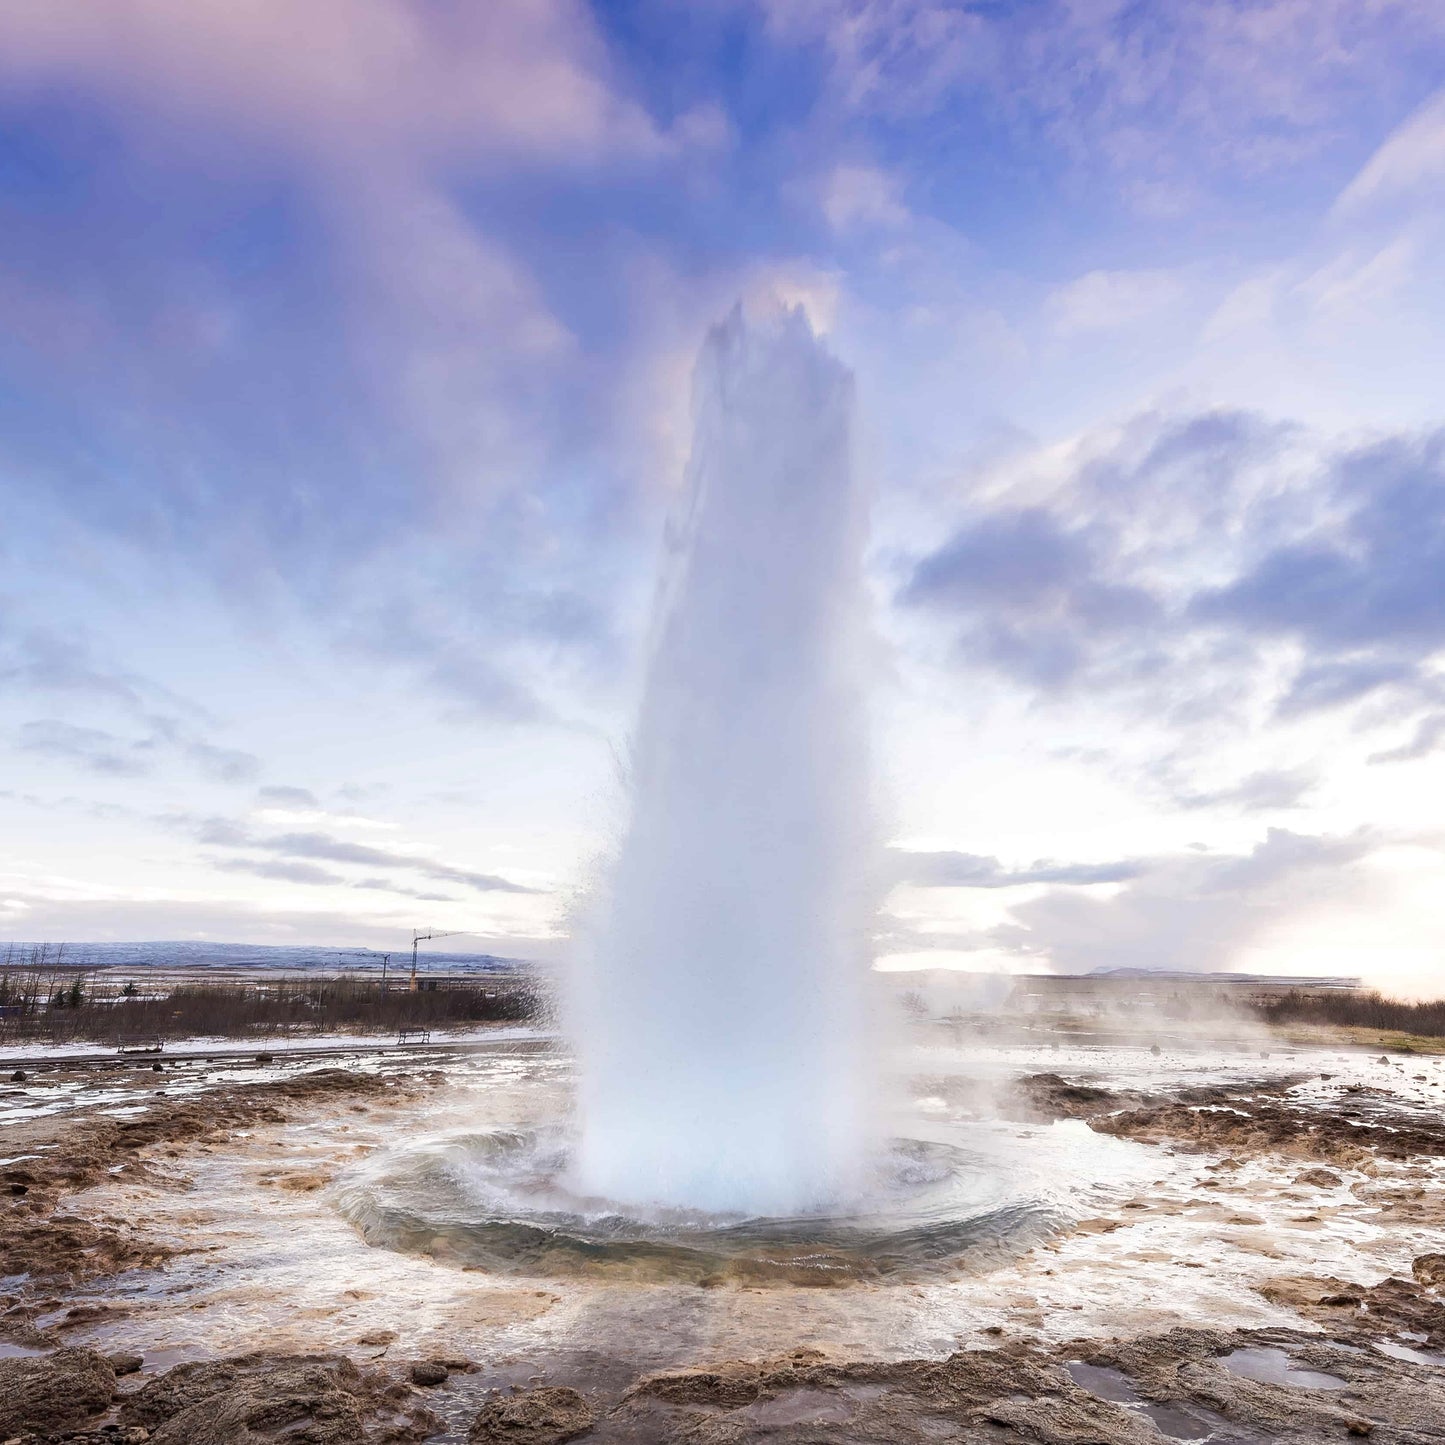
column 344, row 357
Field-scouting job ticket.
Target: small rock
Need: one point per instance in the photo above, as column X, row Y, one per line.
column 264, row 1058
column 547, row 1416
column 1429, row 1270
column 1383, row 1059
column 18, row 1077
column 125, row 1363
column 157, row 1068
column 1155, row 1050
column 429, row 1372
column 1320, row 1178
column 1360, row 1427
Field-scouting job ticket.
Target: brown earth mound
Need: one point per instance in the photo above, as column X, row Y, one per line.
column 301, row 1399
column 1243, row 1386
column 1365, row 1313
column 548, row 1416
column 53, row 1392
column 1243, row 1119
column 1051, row 1096
column 319, row 1399
column 1243, row 1125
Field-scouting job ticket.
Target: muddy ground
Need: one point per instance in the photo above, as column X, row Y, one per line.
column 143, row 1299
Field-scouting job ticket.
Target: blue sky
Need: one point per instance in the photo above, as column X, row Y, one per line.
column 344, row 358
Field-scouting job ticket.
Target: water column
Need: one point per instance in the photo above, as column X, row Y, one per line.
column 718, row 1011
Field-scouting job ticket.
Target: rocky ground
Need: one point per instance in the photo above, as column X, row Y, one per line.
column 1350, row 1353
column 48, row 1246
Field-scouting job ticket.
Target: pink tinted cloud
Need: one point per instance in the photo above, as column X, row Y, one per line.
column 374, row 102
column 374, row 83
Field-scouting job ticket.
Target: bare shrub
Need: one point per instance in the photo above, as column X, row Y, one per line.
column 42, row 999
column 1357, row 1010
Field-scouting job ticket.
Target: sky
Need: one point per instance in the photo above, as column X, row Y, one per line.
column 344, row 365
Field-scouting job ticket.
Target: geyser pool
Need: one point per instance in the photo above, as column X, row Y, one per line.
column 717, row 1012
column 492, row 1186
column 503, row 1201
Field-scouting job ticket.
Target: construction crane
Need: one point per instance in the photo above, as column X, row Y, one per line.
column 423, row 938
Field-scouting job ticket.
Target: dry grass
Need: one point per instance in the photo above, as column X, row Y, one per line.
column 49, row 1003
column 1361, row 1017
column 1388, row 1041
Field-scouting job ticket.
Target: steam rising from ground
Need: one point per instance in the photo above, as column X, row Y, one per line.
column 718, row 1017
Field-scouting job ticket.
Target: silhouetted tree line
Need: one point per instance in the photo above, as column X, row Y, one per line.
column 1357, row 1010
column 41, row 1003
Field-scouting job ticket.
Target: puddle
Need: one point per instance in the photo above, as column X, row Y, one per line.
column 1269, row 1366
column 1397, row 1351
column 157, row 1362
column 1177, row 1421
column 1103, row 1381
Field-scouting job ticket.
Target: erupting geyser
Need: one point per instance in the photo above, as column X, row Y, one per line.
column 719, row 1011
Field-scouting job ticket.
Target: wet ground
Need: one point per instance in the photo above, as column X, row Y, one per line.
column 1210, row 1245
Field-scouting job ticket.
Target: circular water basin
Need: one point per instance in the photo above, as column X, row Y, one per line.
column 503, row 1201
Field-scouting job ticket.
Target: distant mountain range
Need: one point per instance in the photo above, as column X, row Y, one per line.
column 286, row 958
column 1225, row 975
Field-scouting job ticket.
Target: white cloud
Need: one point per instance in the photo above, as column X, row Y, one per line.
column 462, row 346
column 1202, row 911
column 1351, row 285
column 897, row 56
column 854, row 196
column 1412, row 158
column 1251, row 305
column 320, row 817
column 1160, row 94
column 1113, row 300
